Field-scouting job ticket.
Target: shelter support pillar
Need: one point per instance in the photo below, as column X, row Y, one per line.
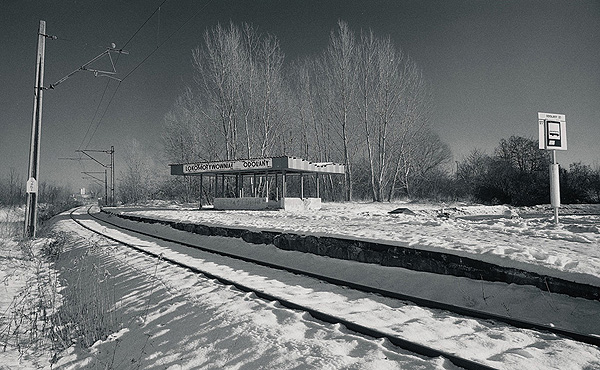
column 241, row 185
column 276, row 187
column 283, row 184
column 223, row 186
column 267, row 186
column 317, row 186
column 216, row 183
column 201, row 190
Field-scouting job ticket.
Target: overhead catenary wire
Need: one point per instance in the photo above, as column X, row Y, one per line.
column 103, row 114
column 167, row 39
column 158, row 46
column 108, row 82
column 95, row 115
column 146, row 21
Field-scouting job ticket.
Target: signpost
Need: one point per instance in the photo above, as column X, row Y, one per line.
column 552, row 133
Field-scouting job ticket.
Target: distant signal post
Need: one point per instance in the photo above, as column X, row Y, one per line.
column 552, row 130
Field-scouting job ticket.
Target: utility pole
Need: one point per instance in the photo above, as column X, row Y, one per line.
column 111, row 166
column 36, row 131
column 112, row 175
column 36, row 127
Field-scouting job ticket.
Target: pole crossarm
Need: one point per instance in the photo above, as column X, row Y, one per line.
column 98, row 151
column 97, row 72
column 94, row 159
column 51, row 37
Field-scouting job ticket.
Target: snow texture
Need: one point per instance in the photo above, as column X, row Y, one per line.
column 174, row 319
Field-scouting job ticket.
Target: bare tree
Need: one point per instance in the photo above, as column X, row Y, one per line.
column 381, row 89
column 414, row 116
column 219, row 74
column 239, row 75
column 361, row 103
column 523, row 154
column 187, row 134
column 339, row 67
column 139, row 179
column 312, row 132
column 271, row 86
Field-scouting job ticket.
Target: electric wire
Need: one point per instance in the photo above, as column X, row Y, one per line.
column 148, row 56
column 143, row 24
column 103, row 114
column 108, row 82
column 95, row 115
column 167, row 39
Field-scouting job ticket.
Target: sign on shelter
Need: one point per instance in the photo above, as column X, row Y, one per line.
column 225, row 166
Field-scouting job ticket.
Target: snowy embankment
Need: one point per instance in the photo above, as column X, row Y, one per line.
column 496, row 234
column 171, row 318
column 494, row 344
column 21, row 302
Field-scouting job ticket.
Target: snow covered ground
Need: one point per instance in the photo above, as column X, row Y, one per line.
column 174, row 319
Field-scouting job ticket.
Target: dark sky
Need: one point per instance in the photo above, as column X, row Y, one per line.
column 491, row 64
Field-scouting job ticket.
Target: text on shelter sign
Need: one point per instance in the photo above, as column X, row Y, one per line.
column 246, row 164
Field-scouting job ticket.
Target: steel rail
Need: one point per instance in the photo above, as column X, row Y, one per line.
column 580, row 337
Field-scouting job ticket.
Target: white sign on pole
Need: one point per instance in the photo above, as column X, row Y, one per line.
column 552, row 130
column 32, row 185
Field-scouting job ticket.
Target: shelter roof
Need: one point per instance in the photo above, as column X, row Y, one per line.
column 257, row 165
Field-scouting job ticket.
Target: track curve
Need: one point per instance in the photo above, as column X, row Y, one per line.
column 580, row 337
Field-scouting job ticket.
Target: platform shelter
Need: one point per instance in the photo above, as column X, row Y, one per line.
column 268, row 179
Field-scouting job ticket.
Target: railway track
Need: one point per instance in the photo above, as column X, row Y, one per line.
column 327, row 317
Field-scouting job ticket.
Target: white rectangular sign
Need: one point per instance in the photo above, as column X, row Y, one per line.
column 224, row 166
column 32, row 185
column 552, row 131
